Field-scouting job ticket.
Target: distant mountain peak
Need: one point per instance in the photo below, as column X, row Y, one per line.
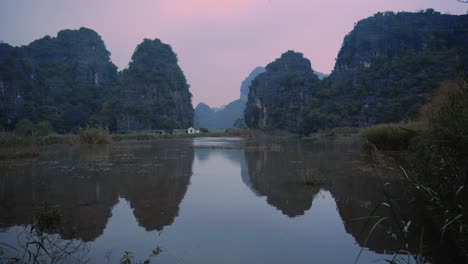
column 244, row 90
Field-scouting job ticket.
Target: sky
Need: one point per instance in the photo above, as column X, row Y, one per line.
column 218, row 42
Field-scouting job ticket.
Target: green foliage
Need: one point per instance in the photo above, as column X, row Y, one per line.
column 204, row 130
column 439, row 155
column 281, row 93
column 435, row 164
column 95, row 135
column 43, row 128
column 63, row 80
column 24, row 127
column 386, row 71
column 154, row 73
column 128, row 257
column 389, row 137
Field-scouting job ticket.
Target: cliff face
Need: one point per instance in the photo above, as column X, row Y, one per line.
column 245, row 86
column 277, row 96
column 70, row 82
column 390, row 64
column 387, row 68
column 63, row 80
column 154, row 93
column 225, row 118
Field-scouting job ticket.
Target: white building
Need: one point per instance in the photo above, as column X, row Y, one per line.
column 192, row 130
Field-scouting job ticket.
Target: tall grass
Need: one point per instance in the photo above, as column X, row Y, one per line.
column 434, row 163
column 95, row 135
column 389, row 137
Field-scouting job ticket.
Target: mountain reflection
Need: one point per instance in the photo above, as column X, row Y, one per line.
column 339, row 167
column 279, row 176
column 87, row 181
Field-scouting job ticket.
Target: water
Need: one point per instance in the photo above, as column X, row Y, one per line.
column 204, row 200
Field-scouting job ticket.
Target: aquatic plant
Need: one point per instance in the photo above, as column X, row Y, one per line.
column 40, row 243
column 128, row 257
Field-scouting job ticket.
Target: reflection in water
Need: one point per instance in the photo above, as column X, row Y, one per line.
column 280, row 177
column 86, row 182
column 341, row 167
column 134, row 196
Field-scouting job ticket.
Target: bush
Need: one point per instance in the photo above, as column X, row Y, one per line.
column 43, row 129
column 95, row 135
column 389, row 137
column 437, row 161
column 24, row 127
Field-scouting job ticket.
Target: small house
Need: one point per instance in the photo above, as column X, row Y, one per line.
column 192, row 130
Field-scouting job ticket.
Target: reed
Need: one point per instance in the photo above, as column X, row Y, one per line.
column 95, row 135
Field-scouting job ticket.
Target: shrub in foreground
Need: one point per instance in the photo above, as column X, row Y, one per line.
column 389, row 137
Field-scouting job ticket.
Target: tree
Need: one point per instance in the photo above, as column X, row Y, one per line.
column 43, row 129
column 24, row 127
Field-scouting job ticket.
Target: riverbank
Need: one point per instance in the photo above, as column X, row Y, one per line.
column 15, row 146
column 432, row 154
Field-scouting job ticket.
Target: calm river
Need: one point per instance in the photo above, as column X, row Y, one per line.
column 205, row 200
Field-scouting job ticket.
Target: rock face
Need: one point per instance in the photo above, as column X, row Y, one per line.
column 226, row 117
column 154, row 93
column 277, row 96
column 245, row 86
column 388, row 66
column 70, row 82
column 63, row 80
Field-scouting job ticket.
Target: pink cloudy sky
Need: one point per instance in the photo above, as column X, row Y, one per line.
column 218, row 42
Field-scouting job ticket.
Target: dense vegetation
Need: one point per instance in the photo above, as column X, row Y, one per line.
column 433, row 157
column 277, row 96
column 387, row 68
column 64, row 83
column 154, row 93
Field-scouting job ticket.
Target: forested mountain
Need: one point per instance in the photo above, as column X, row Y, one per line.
column 62, row 80
column 388, row 66
column 277, row 97
column 153, row 92
column 69, row 82
column 207, row 117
